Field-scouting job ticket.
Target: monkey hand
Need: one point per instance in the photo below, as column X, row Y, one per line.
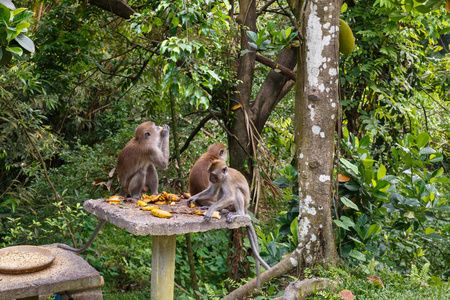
column 165, row 130
column 191, row 200
column 208, row 215
column 231, row 216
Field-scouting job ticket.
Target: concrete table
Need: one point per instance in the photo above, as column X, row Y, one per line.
column 130, row 217
column 68, row 273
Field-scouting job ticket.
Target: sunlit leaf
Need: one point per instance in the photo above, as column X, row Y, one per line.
column 347, row 202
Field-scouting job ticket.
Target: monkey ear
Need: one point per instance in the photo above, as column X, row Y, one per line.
column 221, row 152
column 147, row 134
column 225, row 170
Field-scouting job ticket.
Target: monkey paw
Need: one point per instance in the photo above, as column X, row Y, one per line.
column 207, row 217
column 190, row 202
column 230, row 217
column 165, row 130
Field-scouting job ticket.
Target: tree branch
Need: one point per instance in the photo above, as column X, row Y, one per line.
column 298, row 290
column 117, row 7
column 270, row 63
column 195, row 131
column 284, row 266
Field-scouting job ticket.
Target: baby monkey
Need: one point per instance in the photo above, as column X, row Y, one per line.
column 227, row 186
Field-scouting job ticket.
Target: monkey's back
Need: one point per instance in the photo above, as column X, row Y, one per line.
column 241, row 183
column 198, row 176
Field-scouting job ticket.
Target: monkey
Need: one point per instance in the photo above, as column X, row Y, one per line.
column 228, row 186
column 137, row 160
column 198, row 176
column 136, row 166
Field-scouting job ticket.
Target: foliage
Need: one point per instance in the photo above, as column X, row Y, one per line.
column 66, row 113
column 388, row 214
column 396, row 285
column 394, row 82
column 13, row 24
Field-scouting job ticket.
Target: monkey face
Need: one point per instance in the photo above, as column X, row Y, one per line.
column 214, row 178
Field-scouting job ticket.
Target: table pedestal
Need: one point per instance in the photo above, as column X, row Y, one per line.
column 163, row 266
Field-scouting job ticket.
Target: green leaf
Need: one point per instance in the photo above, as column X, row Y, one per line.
column 340, row 224
column 8, row 4
column 25, row 42
column 442, row 180
column 349, row 165
column 374, row 229
column 347, row 202
column 357, row 255
column 381, row 172
column 18, row 11
column 294, row 231
column 253, row 36
column 288, row 31
column 22, row 25
column 365, row 142
column 437, row 157
column 15, row 50
column 409, row 215
column 429, row 230
column 368, row 162
column 427, row 150
column 422, row 139
column 24, row 15
column 5, row 14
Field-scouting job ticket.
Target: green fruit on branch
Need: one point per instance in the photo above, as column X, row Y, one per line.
column 346, row 38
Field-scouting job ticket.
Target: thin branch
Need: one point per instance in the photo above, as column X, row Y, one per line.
column 283, row 70
column 294, row 24
column 264, row 7
column 195, row 131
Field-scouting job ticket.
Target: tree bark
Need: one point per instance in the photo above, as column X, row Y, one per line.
column 288, row 263
column 239, row 143
column 117, row 7
column 299, row 290
column 316, row 111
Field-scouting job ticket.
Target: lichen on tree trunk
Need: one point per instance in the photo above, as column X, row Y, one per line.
column 316, row 111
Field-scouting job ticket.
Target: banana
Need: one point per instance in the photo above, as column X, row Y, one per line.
column 161, row 213
column 141, row 203
column 115, row 199
column 150, row 207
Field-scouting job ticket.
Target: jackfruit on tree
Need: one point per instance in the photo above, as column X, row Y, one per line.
column 346, row 38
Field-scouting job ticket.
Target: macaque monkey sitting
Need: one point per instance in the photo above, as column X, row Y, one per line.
column 137, row 160
column 227, row 186
column 198, row 176
column 136, row 166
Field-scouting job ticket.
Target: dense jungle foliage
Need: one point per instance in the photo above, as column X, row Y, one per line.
column 70, row 106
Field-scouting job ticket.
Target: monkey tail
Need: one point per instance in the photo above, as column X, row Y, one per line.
column 254, row 243
column 91, row 239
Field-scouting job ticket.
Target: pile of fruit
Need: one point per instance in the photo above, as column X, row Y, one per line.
column 151, row 203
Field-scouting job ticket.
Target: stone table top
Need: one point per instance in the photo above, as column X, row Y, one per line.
column 129, row 216
column 68, row 272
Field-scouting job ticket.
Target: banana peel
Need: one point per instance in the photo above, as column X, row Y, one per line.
column 115, row 199
column 215, row 214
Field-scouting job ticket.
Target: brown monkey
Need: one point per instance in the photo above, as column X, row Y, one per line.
column 137, row 160
column 198, row 176
column 227, row 186
column 136, row 166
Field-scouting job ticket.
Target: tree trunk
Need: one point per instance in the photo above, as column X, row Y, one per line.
column 316, row 111
column 239, row 142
